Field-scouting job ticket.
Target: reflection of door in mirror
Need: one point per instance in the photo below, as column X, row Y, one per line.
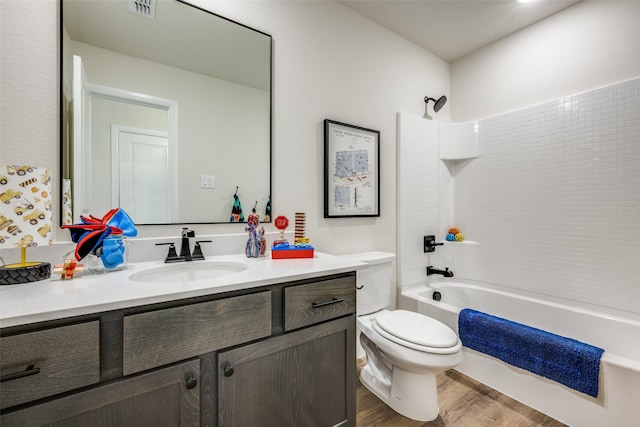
column 142, row 181
column 96, row 152
column 115, row 112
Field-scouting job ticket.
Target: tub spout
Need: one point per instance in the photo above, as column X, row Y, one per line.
column 446, row 272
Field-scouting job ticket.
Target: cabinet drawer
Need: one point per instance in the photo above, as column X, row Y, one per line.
column 319, row 301
column 43, row 363
column 163, row 397
column 164, row 336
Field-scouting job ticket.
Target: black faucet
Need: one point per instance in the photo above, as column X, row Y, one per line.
column 446, row 272
column 185, row 249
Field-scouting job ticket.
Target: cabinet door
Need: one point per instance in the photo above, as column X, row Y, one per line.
column 304, row 378
column 164, row 397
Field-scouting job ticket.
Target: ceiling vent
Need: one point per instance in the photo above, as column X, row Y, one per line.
column 145, row 8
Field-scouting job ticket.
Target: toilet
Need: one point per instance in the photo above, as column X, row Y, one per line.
column 405, row 350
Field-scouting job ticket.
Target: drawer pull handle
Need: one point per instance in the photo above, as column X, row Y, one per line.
column 322, row 304
column 31, row 370
column 191, row 383
column 228, row 370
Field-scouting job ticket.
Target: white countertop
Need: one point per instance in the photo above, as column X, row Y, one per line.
column 92, row 293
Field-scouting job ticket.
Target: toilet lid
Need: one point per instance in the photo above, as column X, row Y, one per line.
column 417, row 329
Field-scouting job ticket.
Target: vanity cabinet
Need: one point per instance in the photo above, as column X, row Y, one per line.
column 278, row 355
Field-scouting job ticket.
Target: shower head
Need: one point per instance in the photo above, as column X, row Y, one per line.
column 438, row 103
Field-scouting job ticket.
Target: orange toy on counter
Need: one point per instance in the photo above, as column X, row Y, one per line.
column 281, row 249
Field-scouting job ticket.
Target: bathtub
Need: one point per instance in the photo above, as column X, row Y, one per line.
column 618, row 333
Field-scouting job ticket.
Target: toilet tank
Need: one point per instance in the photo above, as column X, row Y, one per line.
column 375, row 282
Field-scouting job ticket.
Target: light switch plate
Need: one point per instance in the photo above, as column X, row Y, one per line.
column 207, row 181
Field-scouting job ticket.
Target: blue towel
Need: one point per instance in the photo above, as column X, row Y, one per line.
column 565, row 360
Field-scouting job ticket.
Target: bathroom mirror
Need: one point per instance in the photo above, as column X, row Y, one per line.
column 166, row 112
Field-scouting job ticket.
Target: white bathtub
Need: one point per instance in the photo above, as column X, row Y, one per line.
column 618, row 402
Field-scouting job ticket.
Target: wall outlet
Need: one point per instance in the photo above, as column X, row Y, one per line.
column 207, row 181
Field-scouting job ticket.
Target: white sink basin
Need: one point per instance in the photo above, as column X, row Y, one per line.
column 189, row 271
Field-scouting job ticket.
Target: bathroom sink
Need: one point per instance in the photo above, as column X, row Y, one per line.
column 189, row 271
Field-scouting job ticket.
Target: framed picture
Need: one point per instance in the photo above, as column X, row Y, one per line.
column 351, row 170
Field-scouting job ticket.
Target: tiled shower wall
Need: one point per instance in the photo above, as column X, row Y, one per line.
column 552, row 203
column 417, row 194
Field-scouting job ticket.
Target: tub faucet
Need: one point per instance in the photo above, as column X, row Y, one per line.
column 446, row 272
column 185, row 250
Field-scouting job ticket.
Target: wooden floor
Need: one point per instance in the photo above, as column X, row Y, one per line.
column 463, row 402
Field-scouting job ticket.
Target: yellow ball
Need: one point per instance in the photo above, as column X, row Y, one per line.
column 459, row 237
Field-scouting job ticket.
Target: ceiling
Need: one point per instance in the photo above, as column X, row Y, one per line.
column 452, row 29
column 179, row 35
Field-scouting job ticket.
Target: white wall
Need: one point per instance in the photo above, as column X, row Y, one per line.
column 329, row 62
column 29, row 109
column 586, row 46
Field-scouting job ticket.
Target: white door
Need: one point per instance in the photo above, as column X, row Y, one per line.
column 143, row 188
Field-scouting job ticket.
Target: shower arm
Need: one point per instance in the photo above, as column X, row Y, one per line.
column 437, row 103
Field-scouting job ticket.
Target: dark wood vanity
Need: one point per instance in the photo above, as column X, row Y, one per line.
column 276, row 355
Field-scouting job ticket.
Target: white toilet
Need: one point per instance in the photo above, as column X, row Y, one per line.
column 405, row 350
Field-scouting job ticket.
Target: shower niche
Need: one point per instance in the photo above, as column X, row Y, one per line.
column 459, row 141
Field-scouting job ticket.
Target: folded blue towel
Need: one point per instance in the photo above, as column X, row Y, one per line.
column 565, row 360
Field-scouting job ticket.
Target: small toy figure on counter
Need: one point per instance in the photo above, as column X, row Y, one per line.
column 300, row 239
column 281, row 249
column 281, row 222
column 68, row 268
column 256, row 244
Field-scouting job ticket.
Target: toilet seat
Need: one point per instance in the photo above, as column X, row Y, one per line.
column 416, row 331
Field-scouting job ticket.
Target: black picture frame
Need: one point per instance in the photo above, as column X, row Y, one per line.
column 351, row 170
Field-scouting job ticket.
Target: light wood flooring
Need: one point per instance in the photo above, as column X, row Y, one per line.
column 463, row 402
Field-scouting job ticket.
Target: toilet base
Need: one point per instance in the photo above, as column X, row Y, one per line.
column 412, row 395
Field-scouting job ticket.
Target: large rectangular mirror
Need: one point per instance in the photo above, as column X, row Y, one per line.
column 166, row 112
